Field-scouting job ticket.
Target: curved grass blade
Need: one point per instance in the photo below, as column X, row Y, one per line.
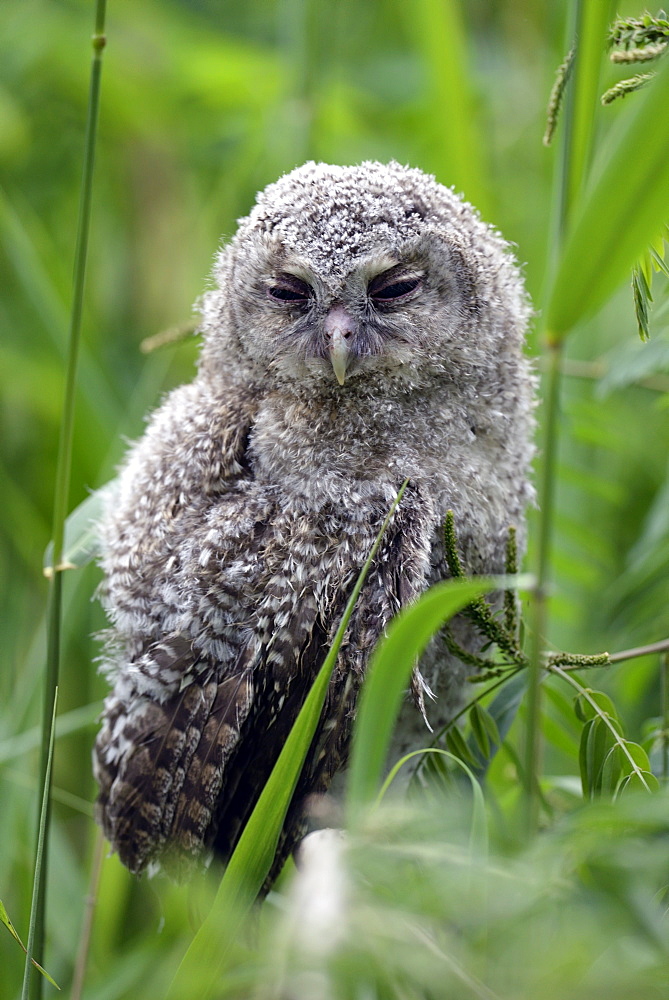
column 478, row 838
column 389, row 674
column 4, row 919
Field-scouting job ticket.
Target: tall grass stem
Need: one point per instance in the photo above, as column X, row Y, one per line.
column 664, row 688
column 539, row 616
column 586, row 33
column 562, row 184
column 89, row 912
column 63, row 474
column 40, row 857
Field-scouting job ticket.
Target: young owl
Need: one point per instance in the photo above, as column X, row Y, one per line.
column 366, row 327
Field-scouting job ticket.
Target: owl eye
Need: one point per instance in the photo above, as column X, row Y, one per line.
column 288, row 288
column 390, row 288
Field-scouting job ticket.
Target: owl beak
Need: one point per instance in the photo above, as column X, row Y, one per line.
column 339, row 334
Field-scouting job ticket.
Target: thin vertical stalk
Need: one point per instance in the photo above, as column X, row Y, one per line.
column 39, row 858
column 586, row 32
column 63, row 471
column 298, row 34
column 89, row 912
column 664, row 687
column 539, row 605
column 539, row 608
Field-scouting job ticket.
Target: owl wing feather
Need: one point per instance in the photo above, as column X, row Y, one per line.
column 157, row 791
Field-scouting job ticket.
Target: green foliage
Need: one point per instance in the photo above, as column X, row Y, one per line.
column 609, row 763
column 4, row 919
column 423, row 916
column 203, row 105
column 619, row 214
column 388, row 677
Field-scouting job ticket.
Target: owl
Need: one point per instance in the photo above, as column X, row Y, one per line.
column 365, row 327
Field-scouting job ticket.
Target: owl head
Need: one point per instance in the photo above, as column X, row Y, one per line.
column 346, row 279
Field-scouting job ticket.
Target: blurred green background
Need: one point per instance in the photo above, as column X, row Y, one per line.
column 203, row 103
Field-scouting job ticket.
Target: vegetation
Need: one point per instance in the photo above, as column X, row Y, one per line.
column 529, row 855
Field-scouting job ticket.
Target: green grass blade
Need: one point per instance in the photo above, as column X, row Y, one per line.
column 64, row 465
column 251, row 861
column 623, row 208
column 478, row 840
column 4, row 919
column 388, row 676
column 593, row 19
column 38, row 873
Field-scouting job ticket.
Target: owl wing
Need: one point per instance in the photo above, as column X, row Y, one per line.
column 181, row 768
column 176, row 709
column 159, row 763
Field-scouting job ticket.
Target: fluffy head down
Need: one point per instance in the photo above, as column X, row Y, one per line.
column 328, row 236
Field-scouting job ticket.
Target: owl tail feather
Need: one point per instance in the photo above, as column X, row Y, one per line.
column 159, row 784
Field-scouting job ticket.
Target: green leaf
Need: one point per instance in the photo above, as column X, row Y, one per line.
column 633, row 760
column 637, row 754
column 389, row 673
column 81, row 543
column 4, row 918
column 504, row 706
column 585, row 710
column 632, row 362
column 596, row 741
column 490, row 725
column 584, row 762
column 621, row 212
column 638, row 781
column 481, row 731
column 612, row 771
column 457, row 745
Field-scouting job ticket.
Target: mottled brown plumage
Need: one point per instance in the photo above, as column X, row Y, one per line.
column 365, row 327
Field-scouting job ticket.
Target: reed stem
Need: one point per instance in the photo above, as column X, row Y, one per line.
column 62, row 484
